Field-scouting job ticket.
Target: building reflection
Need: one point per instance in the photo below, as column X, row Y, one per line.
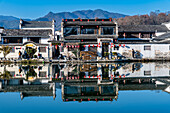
column 83, row 82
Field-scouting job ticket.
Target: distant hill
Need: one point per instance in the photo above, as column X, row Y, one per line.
column 11, row 22
column 76, row 14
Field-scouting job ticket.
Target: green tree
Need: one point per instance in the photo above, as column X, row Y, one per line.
column 6, row 74
column 6, row 50
column 31, row 51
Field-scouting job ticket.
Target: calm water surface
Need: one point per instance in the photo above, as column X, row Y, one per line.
column 130, row 88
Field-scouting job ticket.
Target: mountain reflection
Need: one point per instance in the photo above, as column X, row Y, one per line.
column 83, row 82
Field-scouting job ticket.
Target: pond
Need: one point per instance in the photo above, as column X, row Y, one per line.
column 116, row 87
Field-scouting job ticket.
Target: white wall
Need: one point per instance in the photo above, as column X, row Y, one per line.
column 157, row 50
column 44, row 40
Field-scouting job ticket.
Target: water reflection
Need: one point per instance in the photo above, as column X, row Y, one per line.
column 83, row 82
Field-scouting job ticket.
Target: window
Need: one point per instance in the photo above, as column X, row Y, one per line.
column 13, row 40
column 12, row 73
column 42, row 49
column 89, row 31
column 42, row 74
column 13, row 50
column 147, row 72
column 70, row 31
column 108, row 31
column 147, row 47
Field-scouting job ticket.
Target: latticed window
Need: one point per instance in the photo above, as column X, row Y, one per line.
column 147, row 47
column 108, row 31
column 42, row 49
column 42, row 74
column 13, row 50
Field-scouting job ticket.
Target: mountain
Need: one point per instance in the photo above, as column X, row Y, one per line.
column 10, row 22
column 76, row 14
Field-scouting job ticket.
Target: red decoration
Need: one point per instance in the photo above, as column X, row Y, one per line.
column 110, row 19
column 102, row 20
column 111, row 46
column 66, row 20
column 115, row 40
column 81, row 20
column 78, row 46
column 55, row 46
column 97, row 45
column 82, row 40
column 89, row 45
column 72, row 46
column 88, row 20
column 97, row 26
column 73, row 19
column 114, row 45
column 119, row 45
column 123, row 45
column 95, row 20
column 93, row 45
column 111, row 43
column 67, row 46
column 84, row 45
column 81, row 26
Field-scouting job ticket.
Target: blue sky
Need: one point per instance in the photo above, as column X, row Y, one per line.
column 37, row 8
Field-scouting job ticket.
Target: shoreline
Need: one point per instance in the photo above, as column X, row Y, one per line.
column 35, row 61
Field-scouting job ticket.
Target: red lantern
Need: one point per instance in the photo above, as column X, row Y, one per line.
column 111, row 46
column 66, row 20
column 95, row 20
column 89, row 45
column 73, row 19
column 114, row 45
column 81, row 26
column 88, row 20
column 84, row 45
column 102, row 20
column 78, row 46
column 123, row 45
column 115, row 40
column 81, row 20
column 119, row 45
column 55, row 46
column 110, row 19
column 82, row 40
column 97, row 45
column 93, row 45
column 72, row 46
column 111, row 43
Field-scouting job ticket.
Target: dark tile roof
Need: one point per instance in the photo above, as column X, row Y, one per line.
column 99, row 23
column 162, row 37
column 77, row 37
column 36, row 24
column 80, row 37
column 22, row 32
column 142, row 28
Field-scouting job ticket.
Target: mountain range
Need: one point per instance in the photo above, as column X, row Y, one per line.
column 10, row 22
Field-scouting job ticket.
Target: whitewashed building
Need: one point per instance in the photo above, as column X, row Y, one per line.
column 32, row 34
